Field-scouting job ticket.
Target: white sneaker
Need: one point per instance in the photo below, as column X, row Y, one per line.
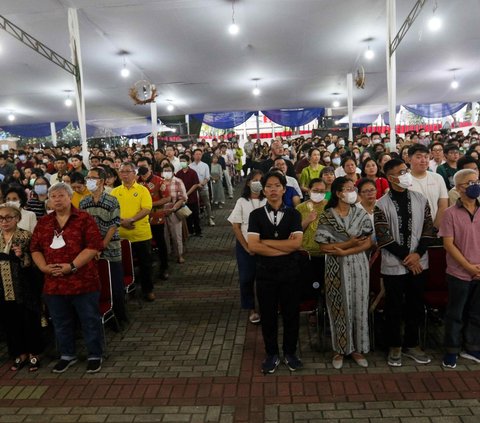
column 211, row 222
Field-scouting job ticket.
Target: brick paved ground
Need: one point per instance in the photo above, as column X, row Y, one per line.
column 192, row 357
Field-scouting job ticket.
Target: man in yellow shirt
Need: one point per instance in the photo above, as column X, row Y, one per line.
column 135, row 206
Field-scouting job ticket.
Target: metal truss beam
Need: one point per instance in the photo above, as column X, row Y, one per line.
column 38, row 46
column 409, row 20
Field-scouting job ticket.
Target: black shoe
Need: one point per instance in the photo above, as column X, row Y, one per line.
column 293, row 362
column 164, row 275
column 62, row 365
column 270, row 364
column 94, row 365
column 199, row 234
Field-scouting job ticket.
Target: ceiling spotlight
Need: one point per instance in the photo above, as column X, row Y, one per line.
column 434, row 24
column 11, row 117
column 125, row 72
column 336, row 103
column 256, row 91
column 454, row 84
column 170, row 107
column 369, row 54
column 233, row 29
column 68, row 102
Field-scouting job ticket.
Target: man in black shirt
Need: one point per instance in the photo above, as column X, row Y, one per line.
column 274, row 235
column 276, row 151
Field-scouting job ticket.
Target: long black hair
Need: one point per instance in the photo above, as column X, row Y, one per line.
column 246, row 189
column 337, row 186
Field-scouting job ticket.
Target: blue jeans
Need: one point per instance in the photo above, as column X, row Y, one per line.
column 463, row 312
column 246, row 272
column 62, row 309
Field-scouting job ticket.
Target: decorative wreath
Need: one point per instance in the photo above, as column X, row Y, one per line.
column 143, row 92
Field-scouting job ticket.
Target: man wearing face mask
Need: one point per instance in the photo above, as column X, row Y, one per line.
column 160, row 196
column 23, row 162
column 105, row 209
column 460, row 230
column 404, row 230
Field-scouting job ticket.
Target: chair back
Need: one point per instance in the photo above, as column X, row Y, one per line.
column 127, row 262
column 106, row 304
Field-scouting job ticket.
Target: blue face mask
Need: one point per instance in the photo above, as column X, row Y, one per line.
column 473, row 191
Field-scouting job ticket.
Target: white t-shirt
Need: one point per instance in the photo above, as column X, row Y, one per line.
column 339, row 172
column 203, row 172
column 292, row 182
column 241, row 212
column 28, row 220
column 433, row 187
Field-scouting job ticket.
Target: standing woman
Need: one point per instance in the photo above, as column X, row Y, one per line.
column 349, row 167
column 344, row 234
column 312, row 171
column 252, row 198
column 17, row 197
column 37, row 202
column 367, row 192
column 19, row 298
column 371, row 171
column 238, row 153
column 78, row 166
column 328, row 176
column 179, row 197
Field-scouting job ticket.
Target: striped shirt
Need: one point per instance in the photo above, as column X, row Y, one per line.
column 106, row 213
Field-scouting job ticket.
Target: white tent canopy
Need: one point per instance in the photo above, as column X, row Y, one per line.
column 300, row 50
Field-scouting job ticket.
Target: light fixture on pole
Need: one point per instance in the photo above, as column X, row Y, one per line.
column 454, row 84
column 233, row 29
column 124, row 72
column 435, row 23
column 256, row 91
column 369, row 54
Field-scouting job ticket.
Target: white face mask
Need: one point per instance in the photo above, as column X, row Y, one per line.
column 15, row 203
column 350, row 197
column 317, row 197
column 58, row 241
column 91, row 185
column 405, row 181
column 337, row 161
column 327, row 159
column 376, row 141
column 256, row 187
column 167, row 175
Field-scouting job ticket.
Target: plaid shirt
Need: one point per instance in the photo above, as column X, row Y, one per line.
column 177, row 191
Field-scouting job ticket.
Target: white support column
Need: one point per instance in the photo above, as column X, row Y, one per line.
column 350, row 106
column 53, row 131
column 392, row 72
column 258, row 123
column 187, row 119
column 153, row 114
column 74, row 30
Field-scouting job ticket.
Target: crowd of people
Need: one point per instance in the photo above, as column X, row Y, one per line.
column 347, row 204
column 311, row 209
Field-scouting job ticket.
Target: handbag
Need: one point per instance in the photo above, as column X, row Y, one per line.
column 183, row 212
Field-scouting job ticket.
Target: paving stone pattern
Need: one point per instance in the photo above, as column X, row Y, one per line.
column 192, row 356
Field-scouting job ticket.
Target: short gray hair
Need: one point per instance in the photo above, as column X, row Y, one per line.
column 60, row 186
column 10, row 205
column 459, row 177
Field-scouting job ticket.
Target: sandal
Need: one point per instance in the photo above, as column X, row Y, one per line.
column 18, row 364
column 33, row 364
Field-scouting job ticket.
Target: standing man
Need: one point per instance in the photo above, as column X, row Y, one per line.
column 174, row 160
column 274, row 235
column 63, row 247
column 160, row 195
column 404, row 231
column 203, row 172
column 135, row 206
column 105, row 209
column 227, row 155
column 192, row 184
column 61, row 165
column 460, row 230
column 248, row 149
column 276, row 152
column 437, row 156
column 430, row 184
column 6, row 168
column 448, row 169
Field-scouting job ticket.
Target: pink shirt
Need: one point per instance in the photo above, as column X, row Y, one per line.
column 458, row 224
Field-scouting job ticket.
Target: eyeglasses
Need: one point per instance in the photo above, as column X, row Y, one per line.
column 471, row 183
column 403, row 172
column 7, row 219
column 369, row 191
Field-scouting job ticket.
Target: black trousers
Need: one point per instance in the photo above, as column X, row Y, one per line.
column 193, row 221
column 158, row 234
column 142, row 252
column 247, row 166
column 277, row 286
column 22, row 328
column 404, row 302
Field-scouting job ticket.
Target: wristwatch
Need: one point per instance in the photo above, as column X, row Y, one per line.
column 73, row 268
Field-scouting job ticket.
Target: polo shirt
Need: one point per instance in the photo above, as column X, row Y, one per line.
column 459, row 224
column 260, row 222
column 131, row 201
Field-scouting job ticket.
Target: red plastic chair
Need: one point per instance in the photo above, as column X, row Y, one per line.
column 106, row 303
column 435, row 296
column 128, row 269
